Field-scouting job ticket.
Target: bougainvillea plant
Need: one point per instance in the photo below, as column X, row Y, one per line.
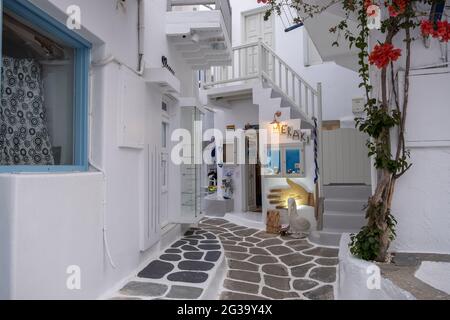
column 385, row 114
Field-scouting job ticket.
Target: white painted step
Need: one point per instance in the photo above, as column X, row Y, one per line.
column 329, row 237
column 355, row 192
column 341, row 220
column 345, row 205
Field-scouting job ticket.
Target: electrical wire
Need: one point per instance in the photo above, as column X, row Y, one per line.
column 290, row 11
column 99, row 169
column 285, row 14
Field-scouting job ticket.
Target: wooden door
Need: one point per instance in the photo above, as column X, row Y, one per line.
column 257, row 28
column 345, row 157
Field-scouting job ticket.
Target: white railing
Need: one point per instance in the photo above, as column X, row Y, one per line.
column 257, row 60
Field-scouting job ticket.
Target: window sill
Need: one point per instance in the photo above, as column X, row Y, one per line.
column 42, row 169
column 285, row 176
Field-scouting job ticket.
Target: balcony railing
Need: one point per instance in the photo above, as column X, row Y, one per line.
column 222, row 5
column 259, row 61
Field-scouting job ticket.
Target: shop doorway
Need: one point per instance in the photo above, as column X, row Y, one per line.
column 253, row 194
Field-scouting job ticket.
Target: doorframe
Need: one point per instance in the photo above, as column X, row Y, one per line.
column 166, row 117
column 253, row 11
column 247, row 187
column 245, row 180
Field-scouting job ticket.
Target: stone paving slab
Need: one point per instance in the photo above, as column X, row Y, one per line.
column 181, row 272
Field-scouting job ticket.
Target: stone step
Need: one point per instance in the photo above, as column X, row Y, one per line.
column 345, row 205
column 342, row 220
column 355, row 192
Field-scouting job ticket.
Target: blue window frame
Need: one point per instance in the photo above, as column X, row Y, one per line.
column 81, row 59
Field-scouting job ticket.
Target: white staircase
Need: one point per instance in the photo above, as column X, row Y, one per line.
column 344, row 213
column 269, row 103
column 258, row 63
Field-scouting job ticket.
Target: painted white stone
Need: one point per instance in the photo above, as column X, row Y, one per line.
column 436, row 274
column 354, row 275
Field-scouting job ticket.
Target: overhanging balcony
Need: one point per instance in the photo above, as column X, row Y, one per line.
column 201, row 31
column 318, row 28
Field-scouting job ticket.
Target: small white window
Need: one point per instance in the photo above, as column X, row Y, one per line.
column 164, row 134
column 164, row 171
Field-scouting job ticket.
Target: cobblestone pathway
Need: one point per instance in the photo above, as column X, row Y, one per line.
column 266, row 266
column 260, row 266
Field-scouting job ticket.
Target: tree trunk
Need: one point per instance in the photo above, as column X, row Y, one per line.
column 377, row 213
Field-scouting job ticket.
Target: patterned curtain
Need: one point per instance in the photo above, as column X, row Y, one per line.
column 24, row 137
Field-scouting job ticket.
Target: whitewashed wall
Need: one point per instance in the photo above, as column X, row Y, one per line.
column 421, row 202
column 64, row 226
column 51, row 222
column 239, row 114
column 113, row 27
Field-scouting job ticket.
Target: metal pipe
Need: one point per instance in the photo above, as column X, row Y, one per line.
column 141, row 38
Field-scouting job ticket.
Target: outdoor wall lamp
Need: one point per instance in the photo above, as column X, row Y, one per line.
column 276, row 121
column 195, row 37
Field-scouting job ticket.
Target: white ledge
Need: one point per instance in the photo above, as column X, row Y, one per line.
column 354, row 274
column 164, row 79
column 201, row 37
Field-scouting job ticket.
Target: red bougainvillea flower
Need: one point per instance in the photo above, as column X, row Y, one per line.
column 382, row 54
column 367, row 3
column 446, row 38
column 441, row 32
column 426, row 27
column 398, row 7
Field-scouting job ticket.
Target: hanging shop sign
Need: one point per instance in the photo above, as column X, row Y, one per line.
column 295, row 134
column 166, row 65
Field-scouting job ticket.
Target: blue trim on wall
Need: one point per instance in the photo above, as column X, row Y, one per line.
column 42, row 20
column 81, row 101
column 41, row 169
column 1, row 32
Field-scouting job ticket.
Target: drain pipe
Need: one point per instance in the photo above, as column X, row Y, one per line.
column 141, row 36
column 444, row 51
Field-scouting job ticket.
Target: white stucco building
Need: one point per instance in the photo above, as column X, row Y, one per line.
column 82, row 215
column 87, row 182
